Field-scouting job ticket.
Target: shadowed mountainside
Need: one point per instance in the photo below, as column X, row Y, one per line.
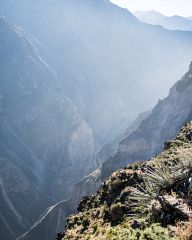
column 98, row 51
column 38, row 127
column 66, row 87
column 162, row 124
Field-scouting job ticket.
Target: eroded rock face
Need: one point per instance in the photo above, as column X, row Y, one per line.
column 99, row 50
column 162, row 124
column 44, row 142
column 85, row 187
column 26, row 122
column 53, row 219
column 147, row 140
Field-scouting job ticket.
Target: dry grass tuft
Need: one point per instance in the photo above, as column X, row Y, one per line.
column 184, row 232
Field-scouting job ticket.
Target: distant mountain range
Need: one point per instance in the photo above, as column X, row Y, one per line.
column 114, row 45
column 173, row 23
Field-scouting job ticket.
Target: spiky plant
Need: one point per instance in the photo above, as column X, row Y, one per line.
column 183, row 167
column 159, row 177
column 141, row 197
column 184, row 162
column 156, row 180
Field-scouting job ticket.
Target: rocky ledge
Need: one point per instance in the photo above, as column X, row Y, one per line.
column 145, row 200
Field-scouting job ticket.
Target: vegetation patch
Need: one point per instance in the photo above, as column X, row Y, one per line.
column 144, row 201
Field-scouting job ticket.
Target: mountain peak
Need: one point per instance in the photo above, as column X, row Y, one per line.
column 174, row 22
column 152, row 14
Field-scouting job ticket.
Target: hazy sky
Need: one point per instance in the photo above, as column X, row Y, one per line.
column 167, row 7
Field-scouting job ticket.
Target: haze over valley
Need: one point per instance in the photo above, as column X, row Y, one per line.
column 86, row 87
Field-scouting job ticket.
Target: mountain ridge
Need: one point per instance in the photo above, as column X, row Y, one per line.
column 114, row 39
column 66, row 84
column 129, row 151
column 30, row 109
column 122, row 208
column 163, row 114
column 174, row 22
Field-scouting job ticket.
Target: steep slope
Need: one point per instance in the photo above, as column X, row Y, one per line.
column 161, row 125
column 44, row 143
column 54, row 218
column 56, row 215
column 110, row 148
column 91, row 44
column 150, row 200
column 172, row 23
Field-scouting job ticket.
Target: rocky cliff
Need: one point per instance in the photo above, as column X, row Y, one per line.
column 99, row 50
column 162, row 124
column 150, row 200
column 55, row 216
column 146, row 140
column 66, row 83
column 44, row 142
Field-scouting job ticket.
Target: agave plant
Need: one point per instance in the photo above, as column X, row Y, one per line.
column 184, row 163
column 141, row 197
column 160, row 177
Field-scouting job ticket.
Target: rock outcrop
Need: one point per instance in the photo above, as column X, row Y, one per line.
column 150, row 200
column 146, row 140
column 85, row 187
column 66, row 83
column 163, row 123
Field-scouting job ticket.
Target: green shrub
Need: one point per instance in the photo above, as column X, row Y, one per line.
column 116, row 184
column 154, row 232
